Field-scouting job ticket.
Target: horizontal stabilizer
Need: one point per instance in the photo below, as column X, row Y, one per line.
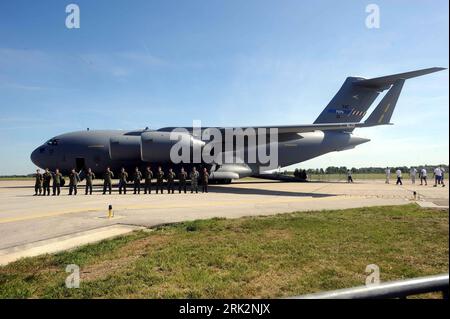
column 383, row 112
column 385, row 82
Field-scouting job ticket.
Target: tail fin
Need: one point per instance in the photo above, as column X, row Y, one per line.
column 350, row 103
column 356, row 95
column 383, row 112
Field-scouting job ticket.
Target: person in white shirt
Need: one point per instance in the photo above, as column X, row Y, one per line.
column 423, row 176
column 399, row 177
column 388, row 174
column 349, row 176
column 442, row 175
column 437, row 176
column 412, row 174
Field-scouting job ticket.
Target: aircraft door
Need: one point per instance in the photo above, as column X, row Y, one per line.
column 80, row 164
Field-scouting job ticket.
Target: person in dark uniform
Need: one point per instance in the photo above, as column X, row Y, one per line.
column 47, row 177
column 194, row 180
column 148, row 175
column 182, row 180
column 90, row 176
column 38, row 184
column 74, row 178
column 107, row 180
column 205, row 180
column 123, row 177
column 159, row 180
column 171, row 181
column 303, row 175
column 57, row 177
column 137, row 180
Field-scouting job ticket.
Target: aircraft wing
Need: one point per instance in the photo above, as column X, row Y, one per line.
column 286, row 129
column 316, row 127
column 343, row 127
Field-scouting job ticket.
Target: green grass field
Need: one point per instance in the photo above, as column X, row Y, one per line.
column 281, row 255
column 16, row 178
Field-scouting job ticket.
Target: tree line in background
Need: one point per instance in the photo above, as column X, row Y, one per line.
column 363, row 170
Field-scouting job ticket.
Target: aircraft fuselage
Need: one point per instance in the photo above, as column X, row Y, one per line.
column 116, row 149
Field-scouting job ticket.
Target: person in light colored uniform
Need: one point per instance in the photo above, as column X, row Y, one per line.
column 399, row 177
column 388, row 174
column 349, row 176
column 412, row 174
column 442, row 176
column 423, row 176
column 437, row 176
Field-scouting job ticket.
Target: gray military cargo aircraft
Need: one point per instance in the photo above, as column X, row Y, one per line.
column 331, row 131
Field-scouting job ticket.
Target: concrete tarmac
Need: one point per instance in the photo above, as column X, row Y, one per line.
column 28, row 221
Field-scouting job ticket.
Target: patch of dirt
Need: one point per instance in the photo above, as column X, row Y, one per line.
column 278, row 234
column 122, row 258
column 105, row 268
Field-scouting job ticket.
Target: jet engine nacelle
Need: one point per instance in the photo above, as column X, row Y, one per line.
column 156, row 146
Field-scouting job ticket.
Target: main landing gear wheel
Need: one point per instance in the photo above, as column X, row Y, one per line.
column 222, row 181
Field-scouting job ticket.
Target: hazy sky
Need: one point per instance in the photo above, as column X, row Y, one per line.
column 135, row 63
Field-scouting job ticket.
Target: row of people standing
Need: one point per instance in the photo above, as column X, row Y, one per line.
column 43, row 181
column 439, row 173
column 163, row 180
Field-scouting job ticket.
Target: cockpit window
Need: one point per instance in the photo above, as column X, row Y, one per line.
column 53, row 142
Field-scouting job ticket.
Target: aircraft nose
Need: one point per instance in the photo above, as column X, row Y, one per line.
column 36, row 157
